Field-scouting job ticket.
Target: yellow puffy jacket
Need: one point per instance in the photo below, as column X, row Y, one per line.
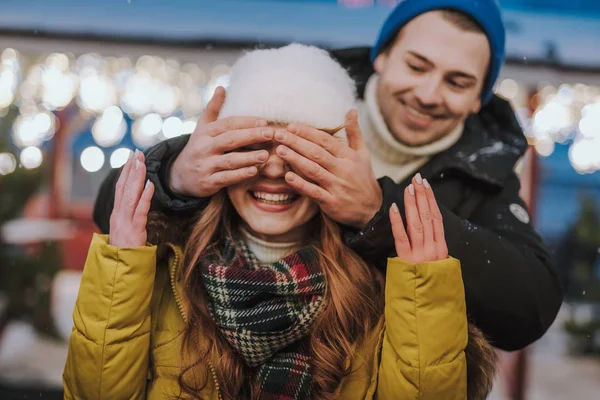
column 126, row 341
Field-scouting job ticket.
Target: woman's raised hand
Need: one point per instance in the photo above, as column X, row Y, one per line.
column 423, row 240
column 132, row 203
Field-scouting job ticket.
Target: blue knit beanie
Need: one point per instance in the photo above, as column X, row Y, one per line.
column 485, row 12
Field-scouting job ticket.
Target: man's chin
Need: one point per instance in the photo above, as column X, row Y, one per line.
column 413, row 138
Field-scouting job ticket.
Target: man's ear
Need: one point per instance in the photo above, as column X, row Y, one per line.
column 380, row 62
column 476, row 106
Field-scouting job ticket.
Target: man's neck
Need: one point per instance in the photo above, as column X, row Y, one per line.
column 391, row 157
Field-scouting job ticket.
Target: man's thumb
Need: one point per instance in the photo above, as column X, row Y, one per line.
column 353, row 132
column 211, row 112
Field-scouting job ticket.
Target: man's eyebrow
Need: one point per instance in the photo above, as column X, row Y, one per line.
column 461, row 74
column 420, row 57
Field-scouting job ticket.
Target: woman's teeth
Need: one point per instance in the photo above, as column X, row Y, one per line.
column 271, row 198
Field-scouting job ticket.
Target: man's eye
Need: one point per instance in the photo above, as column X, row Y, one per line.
column 416, row 68
column 457, row 85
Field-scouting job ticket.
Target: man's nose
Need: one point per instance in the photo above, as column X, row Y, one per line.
column 429, row 93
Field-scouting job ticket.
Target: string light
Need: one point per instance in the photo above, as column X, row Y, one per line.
column 109, row 129
column 589, row 126
column 508, row 89
column 31, row 157
column 8, row 163
column 145, row 130
column 33, row 129
column 544, row 147
column 172, row 127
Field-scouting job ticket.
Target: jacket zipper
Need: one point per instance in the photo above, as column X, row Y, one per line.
column 184, row 314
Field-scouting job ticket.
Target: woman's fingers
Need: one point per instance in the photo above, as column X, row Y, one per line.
column 140, row 217
column 438, row 223
column 121, row 182
column 425, row 240
column 401, row 241
column 134, row 186
column 132, row 204
column 413, row 221
column 425, row 216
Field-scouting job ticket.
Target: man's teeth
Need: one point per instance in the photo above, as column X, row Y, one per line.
column 419, row 114
column 274, row 198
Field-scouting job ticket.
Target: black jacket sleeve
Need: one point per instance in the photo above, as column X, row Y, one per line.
column 159, row 159
column 511, row 284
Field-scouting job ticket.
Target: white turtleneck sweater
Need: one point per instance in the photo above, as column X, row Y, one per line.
column 267, row 252
column 390, row 157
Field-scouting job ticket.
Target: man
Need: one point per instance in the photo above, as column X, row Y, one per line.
column 426, row 108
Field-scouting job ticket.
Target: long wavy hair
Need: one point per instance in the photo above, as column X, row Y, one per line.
column 353, row 305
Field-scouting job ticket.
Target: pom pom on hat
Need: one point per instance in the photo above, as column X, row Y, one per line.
column 295, row 83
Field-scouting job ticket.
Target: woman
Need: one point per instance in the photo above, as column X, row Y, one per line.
column 260, row 298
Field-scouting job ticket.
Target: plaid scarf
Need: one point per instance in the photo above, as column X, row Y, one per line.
column 266, row 314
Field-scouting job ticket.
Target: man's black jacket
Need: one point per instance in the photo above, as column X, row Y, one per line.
column 512, row 290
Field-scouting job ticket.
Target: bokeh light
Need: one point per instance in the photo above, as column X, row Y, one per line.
column 110, row 128
column 119, row 157
column 31, row 157
column 8, row 163
column 92, row 159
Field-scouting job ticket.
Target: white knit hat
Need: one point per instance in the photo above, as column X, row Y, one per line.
column 295, row 83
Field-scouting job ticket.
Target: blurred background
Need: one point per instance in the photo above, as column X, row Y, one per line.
column 83, row 83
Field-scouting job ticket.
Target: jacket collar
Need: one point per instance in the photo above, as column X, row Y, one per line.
column 491, row 144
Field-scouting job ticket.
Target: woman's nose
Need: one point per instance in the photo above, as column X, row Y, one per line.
column 275, row 167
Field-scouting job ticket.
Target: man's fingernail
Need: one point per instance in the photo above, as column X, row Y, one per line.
column 251, row 170
column 418, row 178
column 411, row 189
column 261, row 122
column 137, row 164
column 263, row 157
column 131, row 153
column 280, row 135
column 426, row 184
column 283, row 150
column 292, row 128
column 290, row 177
column 268, row 133
column 147, row 184
column 395, row 208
